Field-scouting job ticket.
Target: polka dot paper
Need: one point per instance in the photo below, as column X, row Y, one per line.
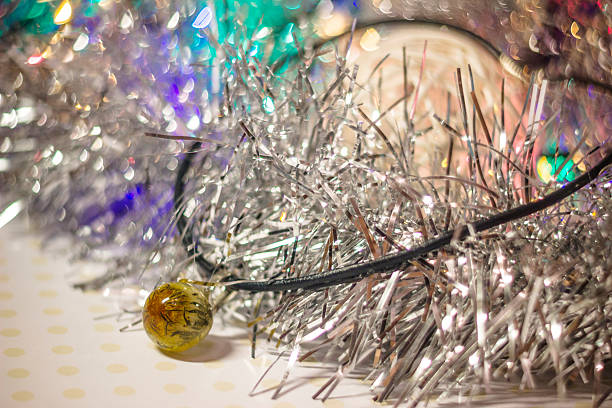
column 60, row 347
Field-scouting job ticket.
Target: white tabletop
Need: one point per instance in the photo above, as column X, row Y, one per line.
column 60, row 347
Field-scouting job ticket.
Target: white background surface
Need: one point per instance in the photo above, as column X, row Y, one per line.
column 57, row 349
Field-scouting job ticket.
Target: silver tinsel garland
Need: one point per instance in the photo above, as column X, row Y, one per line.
column 295, row 175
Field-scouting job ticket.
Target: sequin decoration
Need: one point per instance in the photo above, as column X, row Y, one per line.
column 177, row 316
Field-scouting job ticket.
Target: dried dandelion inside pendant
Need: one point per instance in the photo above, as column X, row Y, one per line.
column 177, row 315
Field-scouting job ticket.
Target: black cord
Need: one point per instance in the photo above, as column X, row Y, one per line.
column 385, row 264
column 187, row 234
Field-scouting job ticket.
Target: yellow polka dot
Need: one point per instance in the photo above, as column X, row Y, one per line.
column 116, row 368
column 22, row 396
column 53, row 311
column 3, row 276
column 34, row 243
column 333, row 404
column 39, row 260
column 98, row 309
column 57, row 330
column 104, row 327
column 270, row 383
column 5, row 295
column 47, row 293
column 213, row 364
column 7, row 313
column 68, row 370
column 165, row 366
column 174, row 388
column 259, row 362
column 62, row 349
column 73, row 393
column 110, row 347
column 318, row 381
column 124, row 390
column 14, row 352
column 283, row 405
column 223, row 386
column 244, row 342
column 43, row 276
column 10, row 332
column 18, row 373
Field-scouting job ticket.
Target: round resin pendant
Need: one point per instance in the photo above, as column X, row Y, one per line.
column 177, row 315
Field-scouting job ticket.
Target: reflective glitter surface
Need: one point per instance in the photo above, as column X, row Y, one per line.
column 319, row 144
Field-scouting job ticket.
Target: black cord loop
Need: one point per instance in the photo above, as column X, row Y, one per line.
column 386, row 264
